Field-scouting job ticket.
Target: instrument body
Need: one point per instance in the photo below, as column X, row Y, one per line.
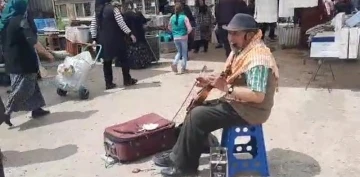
column 204, row 92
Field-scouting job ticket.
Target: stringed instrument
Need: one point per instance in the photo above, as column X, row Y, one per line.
column 204, row 92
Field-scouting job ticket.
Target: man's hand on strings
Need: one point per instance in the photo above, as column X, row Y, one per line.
column 219, row 82
column 202, row 81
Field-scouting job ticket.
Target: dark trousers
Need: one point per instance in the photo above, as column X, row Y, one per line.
column 223, row 34
column 2, row 173
column 108, row 72
column 270, row 26
column 201, row 43
column 219, row 40
column 191, row 41
column 198, row 124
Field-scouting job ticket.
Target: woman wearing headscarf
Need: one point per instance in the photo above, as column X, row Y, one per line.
column 109, row 29
column 139, row 53
column 21, row 61
column 204, row 21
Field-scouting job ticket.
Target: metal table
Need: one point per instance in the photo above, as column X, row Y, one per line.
column 321, row 61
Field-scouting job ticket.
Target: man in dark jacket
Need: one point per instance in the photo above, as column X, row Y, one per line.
column 225, row 10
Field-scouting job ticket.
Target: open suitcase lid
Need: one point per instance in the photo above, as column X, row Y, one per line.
column 146, row 124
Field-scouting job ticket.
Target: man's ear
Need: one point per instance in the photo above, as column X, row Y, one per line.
column 249, row 36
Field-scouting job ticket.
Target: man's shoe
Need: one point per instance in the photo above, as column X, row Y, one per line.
column 39, row 113
column 131, row 82
column 6, row 120
column 176, row 172
column 174, row 68
column 163, row 159
column 110, row 86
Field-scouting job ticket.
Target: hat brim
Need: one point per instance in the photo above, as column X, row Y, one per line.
column 230, row 28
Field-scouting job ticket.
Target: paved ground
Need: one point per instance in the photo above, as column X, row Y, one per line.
column 310, row 133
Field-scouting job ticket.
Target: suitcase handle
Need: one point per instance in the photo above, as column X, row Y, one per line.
column 110, row 148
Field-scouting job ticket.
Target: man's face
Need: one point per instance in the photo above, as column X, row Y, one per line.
column 237, row 39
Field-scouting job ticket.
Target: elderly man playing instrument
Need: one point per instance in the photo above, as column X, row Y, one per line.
column 248, row 96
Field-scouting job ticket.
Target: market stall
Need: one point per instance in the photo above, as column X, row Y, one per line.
column 335, row 40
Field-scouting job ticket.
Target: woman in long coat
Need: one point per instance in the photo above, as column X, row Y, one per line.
column 204, row 21
column 21, row 61
column 109, row 29
column 139, row 53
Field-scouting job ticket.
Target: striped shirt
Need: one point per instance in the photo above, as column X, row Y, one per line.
column 257, row 78
column 119, row 19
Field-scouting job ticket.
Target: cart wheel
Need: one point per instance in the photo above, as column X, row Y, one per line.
column 61, row 92
column 84, row 93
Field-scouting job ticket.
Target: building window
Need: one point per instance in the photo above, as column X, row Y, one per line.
column 61, row 10
column 87, row 9
column 79, row 9
column 83, row 9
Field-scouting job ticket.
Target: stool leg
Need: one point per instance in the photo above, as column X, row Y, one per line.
column 230, row 153
column 264, row 170
column 224, row 137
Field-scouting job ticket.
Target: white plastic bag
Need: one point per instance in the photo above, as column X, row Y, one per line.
column 80, row 66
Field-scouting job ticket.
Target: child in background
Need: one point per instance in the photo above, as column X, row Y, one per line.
column 180, row 27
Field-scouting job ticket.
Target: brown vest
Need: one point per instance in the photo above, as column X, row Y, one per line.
column 255, row 113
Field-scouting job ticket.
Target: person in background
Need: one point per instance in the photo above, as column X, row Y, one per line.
column 225, row 10
column 343, row 6
column 189, row 15
column 271, row 26
column 180, row 27
column 264, row 26
column 251, row 7
column 21, row 61
column 135, row 20
column 204, row 22
column 219, row 42
column 2, row 171
column 310, row 17
column 355, row 4
column 140, row 52
column 109, row 29
column 162, row 6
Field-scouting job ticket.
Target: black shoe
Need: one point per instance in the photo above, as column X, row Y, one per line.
column 131, row 82
column 176, row 172
column 39, row 113
column 163, row 159
column 273, row 38
column 7, row 121
column 196, row 51
column 39, row 76
column 110, row 86
column 218, row 46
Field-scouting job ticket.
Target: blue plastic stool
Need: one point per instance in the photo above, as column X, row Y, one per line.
column 251, row 142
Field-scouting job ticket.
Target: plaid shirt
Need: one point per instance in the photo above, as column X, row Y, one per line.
column 256, row 78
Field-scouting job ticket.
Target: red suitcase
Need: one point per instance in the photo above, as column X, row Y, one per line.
column 127, row 142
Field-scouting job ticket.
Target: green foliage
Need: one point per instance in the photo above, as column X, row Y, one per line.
column 60, row 23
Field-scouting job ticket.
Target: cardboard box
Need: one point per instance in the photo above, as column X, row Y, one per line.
column 342, row 40
column 323, row 45
column 353, row 43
